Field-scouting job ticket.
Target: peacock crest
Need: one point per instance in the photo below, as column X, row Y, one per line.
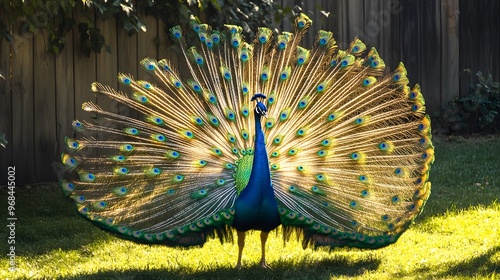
column 321, row 140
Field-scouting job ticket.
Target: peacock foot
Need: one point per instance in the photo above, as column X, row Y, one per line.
column 264, row 265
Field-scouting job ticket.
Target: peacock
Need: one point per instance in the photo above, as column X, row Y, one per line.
column 325, row 142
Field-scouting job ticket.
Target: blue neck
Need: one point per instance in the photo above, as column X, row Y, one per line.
column 260, row 175
column 256, row 206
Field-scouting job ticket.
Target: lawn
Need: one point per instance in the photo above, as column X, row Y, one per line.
column 456, row 237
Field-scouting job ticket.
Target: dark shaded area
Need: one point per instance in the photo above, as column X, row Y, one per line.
column 464, row 175
column 44, row 208
column 325, row 269
column 483, row 264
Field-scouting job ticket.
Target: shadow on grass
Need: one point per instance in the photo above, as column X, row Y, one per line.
column 483, row 264
column 464, row 175
column 324, row 269
column 47, row 221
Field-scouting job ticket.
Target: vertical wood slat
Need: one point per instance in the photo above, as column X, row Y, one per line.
column 84, row 75
column 65, row 100
column 322, row 10
column 483, row 38
column 5, row 111
column 353, row 21
column 44, row 109
column 167, row 48
column 126, row 50
column 147, row 46
column 495, row 42
column 23, row 150
column 374, row 19
column 468, row 47
column 430, row 55
column 382, row 30
column 107, row 63
column 107, row 68
column 479, row 39
column 335, row 19
column 388, row 47
column 489, row 36
column 312, row 9
column 450, row 51
column 410, row 40
column 286, row 24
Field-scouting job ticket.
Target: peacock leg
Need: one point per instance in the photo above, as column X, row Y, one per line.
column 263, row 239
column 241, row 244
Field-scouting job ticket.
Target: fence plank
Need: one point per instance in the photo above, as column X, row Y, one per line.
column 45, row 135
column 495, row 42
column 374, row 18
column 23, row 153
column 335, row 19
column 84, row 75
column 312, row 9
column 5, row 111
column 107, row 63
column 126, row 55
column 488, row 52
column 287, row 24
column 468, row 42
column 146, row 44
column 65, row 99
column 126, row 49
column 353, row 21
column 167, row 47
column 127, row 63
column 410, row 40
column 323, row 11
column 450, row 51
column 430, row 55
column 392, row 33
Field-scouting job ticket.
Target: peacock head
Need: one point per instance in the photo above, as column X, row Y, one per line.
column 260, row 108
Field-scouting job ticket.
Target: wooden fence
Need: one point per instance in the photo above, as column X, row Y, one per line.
column 43, row 93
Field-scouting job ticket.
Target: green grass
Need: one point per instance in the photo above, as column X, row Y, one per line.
column 456, row 237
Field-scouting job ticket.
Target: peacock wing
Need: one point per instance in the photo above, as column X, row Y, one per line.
column 350, row 145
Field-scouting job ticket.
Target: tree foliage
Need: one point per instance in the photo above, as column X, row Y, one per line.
column 58, row 17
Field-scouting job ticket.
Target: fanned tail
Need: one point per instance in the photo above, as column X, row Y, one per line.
column 349, row 144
